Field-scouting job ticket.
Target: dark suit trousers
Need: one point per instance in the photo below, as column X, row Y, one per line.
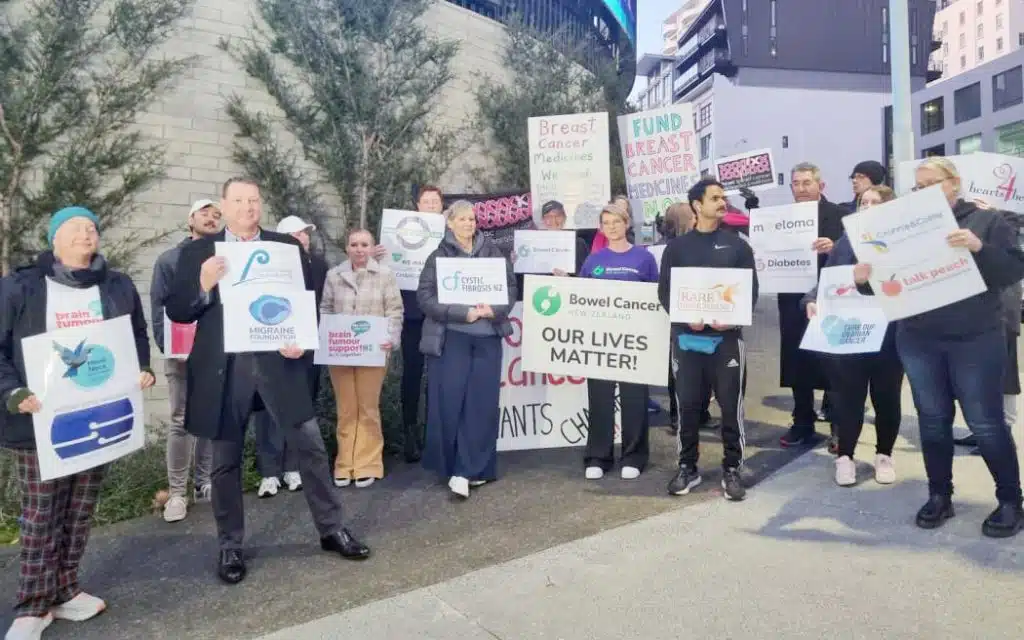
column 324, row 500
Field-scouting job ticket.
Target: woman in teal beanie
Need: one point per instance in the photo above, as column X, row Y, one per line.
column 69, row 285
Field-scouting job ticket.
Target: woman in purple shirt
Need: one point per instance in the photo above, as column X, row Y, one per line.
column 620, row 260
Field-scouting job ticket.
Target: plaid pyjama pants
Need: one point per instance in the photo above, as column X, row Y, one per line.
column 56, row 517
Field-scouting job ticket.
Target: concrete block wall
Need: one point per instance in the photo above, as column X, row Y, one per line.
column 191, row 120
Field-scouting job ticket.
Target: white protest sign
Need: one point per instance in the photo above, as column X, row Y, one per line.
column 782, row 238
column 991, row 177
column 257, row 264
column 847, row 322
column 545, row 251
column 914, row 270
column 409, row 237
column 87, row 379
column 712, row 296
column 352, row 341
column 472, row 281
column 570, row 162
column 659, row 155
column 604, row 329
column 268, row 318
column 178, row 339
column 752, row 169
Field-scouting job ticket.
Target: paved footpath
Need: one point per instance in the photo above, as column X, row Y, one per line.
column 800, row 558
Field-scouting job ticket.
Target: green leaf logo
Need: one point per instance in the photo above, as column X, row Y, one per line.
column 396, row 257
column 598, row 270
column 547, row 301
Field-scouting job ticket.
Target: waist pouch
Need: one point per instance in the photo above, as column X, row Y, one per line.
column 699, row 344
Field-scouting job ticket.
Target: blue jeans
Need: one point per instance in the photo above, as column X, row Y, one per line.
column 969, row 371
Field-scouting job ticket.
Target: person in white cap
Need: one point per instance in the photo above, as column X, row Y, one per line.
column 203, row 220
column 273, row 460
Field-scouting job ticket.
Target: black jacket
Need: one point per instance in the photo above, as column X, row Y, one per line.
column 720, row 249
column 23, row 314
column 209, row 367
column 1001, row 264
column 159, row 288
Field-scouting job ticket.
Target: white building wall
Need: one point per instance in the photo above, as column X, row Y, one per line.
column 1000, row 21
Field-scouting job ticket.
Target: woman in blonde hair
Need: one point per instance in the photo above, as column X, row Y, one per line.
column 958, row 353
column 361, row 286
column 851, row 376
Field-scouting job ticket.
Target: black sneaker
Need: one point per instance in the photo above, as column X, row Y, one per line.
column 733, row 485
column 1006, row 521
column 935, row 512
column 686, row 479
column 798, row 435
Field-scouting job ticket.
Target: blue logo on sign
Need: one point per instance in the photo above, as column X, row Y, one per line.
column 841, row 331
column 270, row 310
column 88, row 365
column 80, row 432
column 260, row 256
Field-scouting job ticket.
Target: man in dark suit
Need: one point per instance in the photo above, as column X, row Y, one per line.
column 224, row 389
column 803, row 371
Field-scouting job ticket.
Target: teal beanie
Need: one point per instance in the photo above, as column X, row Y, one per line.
column 65, row 214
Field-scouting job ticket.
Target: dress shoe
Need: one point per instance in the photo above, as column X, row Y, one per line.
column 966, row 441
column 232, row 566
column 344, row 543
column 1006, row 521
column 935, row 512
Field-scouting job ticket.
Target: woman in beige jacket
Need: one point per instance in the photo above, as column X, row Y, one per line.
column 361, row 286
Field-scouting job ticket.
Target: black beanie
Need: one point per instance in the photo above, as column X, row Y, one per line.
column 874, row 171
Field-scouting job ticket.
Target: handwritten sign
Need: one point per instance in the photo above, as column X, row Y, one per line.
column 570, row 162
column 660, row 157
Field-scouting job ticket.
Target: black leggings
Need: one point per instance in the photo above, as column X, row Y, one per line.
column 852, row 376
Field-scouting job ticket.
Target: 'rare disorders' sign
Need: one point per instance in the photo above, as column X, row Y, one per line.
column 659, row 155
column 712, row 296
column 570, row 162
column 608, row 331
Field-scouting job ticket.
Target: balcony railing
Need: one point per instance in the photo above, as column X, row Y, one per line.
column 711, row 59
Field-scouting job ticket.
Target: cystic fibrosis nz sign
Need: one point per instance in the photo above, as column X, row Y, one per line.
column 472, row 281
column 583, row 327
column 659, row 155
column 570, row 162
column 87, row 379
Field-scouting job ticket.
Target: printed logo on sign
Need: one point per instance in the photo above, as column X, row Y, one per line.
column 469, row 284
column 845, row 331
column 524, row 251
column 877, row 245
column 88, row 366
column 1006, row 189
column 892, row 287
column 841, row 291
column 882, row 240
column 83, row 431
column 718, row 298
column 253, row 271
column 270, row 310
column 413, row 233
column 547, row 301
column 360, row 327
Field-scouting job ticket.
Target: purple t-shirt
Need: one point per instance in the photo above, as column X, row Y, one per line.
column 635, row 265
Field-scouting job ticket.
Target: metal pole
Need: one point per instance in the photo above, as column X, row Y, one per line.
column 899, row 60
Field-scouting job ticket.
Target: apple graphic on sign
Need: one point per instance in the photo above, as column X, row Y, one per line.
column 892, row 286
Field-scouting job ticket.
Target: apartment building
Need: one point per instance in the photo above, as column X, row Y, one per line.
column 975, row 32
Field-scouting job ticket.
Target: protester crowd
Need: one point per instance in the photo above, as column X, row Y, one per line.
column 963, row 353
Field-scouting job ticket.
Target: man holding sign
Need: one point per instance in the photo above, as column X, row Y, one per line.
column 706, row 348
column 224, row 389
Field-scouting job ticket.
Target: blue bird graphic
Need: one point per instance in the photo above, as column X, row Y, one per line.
column 73, row 358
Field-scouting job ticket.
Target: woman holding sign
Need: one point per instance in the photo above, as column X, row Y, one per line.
column 957, row 352
column 620, row 260
column 463, row 345
column 68, row 286
column 852, row 374
column 361, row 286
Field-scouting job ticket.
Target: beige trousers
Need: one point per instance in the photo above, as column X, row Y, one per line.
column 360, row 439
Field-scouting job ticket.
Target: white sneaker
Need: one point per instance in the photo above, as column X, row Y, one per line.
column 203, row 493
column 176, row 509
column 459, row 486
column 362, row 483
column 846, row 471
column 80, row 608
column 293, row 480
column 594, row 473
column 885, row 469
column 630, row 473
column 29, row 627
column 477, row 483
column 268, row 488
column 342, row 482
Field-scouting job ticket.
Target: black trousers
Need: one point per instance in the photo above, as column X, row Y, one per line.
column 412, row 384
column 600, row 451
column 852, row 376
column 725, row 371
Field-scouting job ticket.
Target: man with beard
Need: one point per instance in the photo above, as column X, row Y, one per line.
column 203, row 221
column 802, row 371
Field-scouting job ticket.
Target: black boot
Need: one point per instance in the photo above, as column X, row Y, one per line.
column 231, row 567
column 935, row 512
column 1007, row 520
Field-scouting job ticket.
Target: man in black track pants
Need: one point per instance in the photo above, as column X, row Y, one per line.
column 703, row 353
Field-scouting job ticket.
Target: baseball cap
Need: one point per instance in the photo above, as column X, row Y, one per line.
column 294, row 224
column 200, row 204
column 551, row 205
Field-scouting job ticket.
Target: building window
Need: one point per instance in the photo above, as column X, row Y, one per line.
column 705, row 115
column 937, row 150
column 773, row 29
column 967, row 103
column 981, row 54
column 885, row 34
column 705, row 147
column 913, row 37
column 1010, row 139
column 785, row 142
column 1007, row 89
column 999, row 21
column 963, row 41
column 932, row 116
column 963, row 62
column 981, row 7
column 970, row 144
column 1020, row 39
column 945, row 48
column 981, row 31
column 999, row 45
column 963, row 18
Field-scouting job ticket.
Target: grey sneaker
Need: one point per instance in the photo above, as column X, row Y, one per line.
column 203, row 493
column 732, row 484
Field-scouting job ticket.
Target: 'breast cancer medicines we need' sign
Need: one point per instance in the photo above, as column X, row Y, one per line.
column 570, row 162
column 472, row 281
